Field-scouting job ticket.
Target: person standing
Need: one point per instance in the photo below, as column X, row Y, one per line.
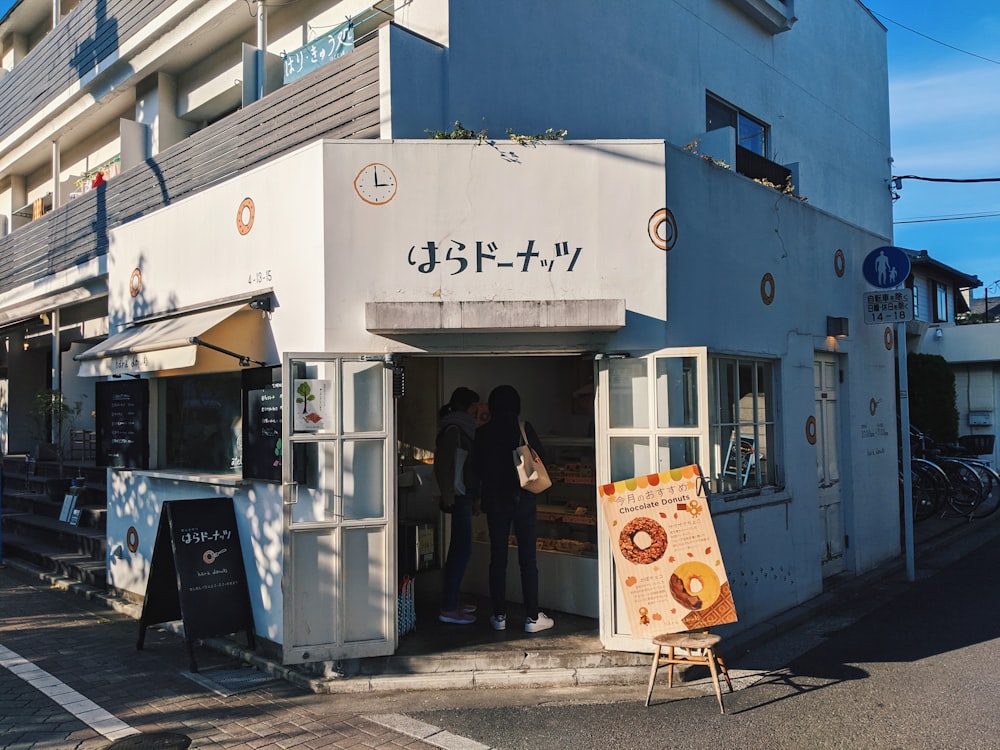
column 455, row 472
column 507, row 506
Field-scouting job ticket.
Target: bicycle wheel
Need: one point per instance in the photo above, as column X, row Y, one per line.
column 991, row 497
column 967, row 488
column 929, row 487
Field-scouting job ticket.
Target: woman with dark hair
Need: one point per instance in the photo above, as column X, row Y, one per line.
column 455, row 472
column 507, row 506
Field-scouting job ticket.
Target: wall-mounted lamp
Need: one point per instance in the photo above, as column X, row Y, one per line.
column 836, row 326
column 938, row 334
column 262, row 303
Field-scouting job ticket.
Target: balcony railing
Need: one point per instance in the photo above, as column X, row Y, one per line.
column 339, row 100
column 756, row 167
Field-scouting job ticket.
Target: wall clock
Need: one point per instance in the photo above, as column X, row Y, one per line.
column 375, row 184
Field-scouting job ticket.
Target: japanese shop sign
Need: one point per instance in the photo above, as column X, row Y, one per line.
column 196, row 572
column 667, row 556
column 319, row 52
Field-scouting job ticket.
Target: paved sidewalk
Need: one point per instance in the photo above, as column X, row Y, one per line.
column 58, row 647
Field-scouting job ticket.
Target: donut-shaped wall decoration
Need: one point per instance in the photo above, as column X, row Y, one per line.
column 663, row 229
column 132, row 539
column 244, row 216
column 767, row 288
column 888, row 338
column 135, row 283
column 811, row 430
column 839, row 263
column 873, row 406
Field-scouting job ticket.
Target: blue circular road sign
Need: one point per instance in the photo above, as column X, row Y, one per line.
column 886, row 267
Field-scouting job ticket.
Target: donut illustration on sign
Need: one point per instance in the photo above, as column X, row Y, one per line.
column 642, row 541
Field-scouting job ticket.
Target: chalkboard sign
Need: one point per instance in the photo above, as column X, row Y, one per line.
column 197, row 574
column 262, row 424
column 122, row 422
column 747, row 459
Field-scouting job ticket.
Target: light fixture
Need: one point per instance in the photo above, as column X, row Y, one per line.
column 262, row 303
column 836, row 326
column 938, row 334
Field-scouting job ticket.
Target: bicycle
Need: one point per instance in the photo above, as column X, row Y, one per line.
column 973, row 485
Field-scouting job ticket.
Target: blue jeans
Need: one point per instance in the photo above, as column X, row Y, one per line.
column 459, row 551
column 519, row 512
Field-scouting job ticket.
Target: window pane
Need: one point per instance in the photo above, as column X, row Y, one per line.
column 364, row 386
column 203, row 425
column 718, row 115
column 365, row 615
column 727, row 390
column 677, row 392
column 750, row 134
column 629, row 396
column 364, row 472
column 315, row 466
column 674, row 452
column 630, row 458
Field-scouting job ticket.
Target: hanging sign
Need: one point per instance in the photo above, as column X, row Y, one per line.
column 667, row 556
column 319, row 52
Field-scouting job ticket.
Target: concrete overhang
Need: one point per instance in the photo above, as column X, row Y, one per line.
column 548, row 316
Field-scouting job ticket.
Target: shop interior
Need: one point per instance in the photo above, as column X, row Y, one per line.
column 557, row 398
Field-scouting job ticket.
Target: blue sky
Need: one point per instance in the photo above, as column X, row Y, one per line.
column 945, row 108
column 945, row 123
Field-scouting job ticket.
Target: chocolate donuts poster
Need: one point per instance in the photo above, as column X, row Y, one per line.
column 666, row 552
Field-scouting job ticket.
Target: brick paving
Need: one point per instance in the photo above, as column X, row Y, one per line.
column 93, row 651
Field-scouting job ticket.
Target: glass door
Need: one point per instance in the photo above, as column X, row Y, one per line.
column 652, row 415
column 339, row 492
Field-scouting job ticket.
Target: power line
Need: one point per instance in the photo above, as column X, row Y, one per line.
column 936, row 41
column 944, row 179
column 955, row 217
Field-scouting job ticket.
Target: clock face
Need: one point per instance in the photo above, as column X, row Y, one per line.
column 375, row 184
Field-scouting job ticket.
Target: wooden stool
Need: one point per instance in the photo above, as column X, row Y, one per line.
column 699, row 648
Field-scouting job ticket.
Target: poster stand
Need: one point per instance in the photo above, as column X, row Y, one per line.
column 196, row 573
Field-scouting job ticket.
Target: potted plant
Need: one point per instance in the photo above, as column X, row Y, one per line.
column 54, row 417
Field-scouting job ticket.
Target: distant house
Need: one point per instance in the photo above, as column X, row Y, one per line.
column 973, row 351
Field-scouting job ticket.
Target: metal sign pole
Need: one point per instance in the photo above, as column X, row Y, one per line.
column 904, row 426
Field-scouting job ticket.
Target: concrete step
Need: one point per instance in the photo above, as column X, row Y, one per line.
column 57, row 560
column 52, row 534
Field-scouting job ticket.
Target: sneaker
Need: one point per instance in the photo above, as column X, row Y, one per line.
column 470, row 608
column 542, row 622
column 499, row 622
column 456, row 617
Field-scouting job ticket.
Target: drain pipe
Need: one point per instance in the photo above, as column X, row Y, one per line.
column 261, row 46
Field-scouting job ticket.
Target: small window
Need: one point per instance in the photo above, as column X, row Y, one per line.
column 742, row 429
column 940, row 303
column 751, row 133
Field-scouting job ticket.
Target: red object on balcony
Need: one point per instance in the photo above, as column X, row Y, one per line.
column 98, row 180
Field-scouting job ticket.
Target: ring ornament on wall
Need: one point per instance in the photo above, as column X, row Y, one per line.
column 135, row 283
column 811, row 430
column 873, row 406
column 839, row 263
column 888, row 338
column 767, row 288
column 132, row 539
column 663, row 229
column 245, row 216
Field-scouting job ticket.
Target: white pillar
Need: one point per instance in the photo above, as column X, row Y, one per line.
column 261, row 46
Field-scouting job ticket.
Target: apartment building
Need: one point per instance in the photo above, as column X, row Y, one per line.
column 212, row 207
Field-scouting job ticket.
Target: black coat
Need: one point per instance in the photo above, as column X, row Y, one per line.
column 494, row 453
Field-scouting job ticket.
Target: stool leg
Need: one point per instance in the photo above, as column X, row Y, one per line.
column 670, row 667
column 652, row 675
column 725, row 672
column 715, row 677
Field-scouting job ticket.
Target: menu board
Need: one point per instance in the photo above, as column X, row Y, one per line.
column 670, row 570
column 197, row 574
column 122, row 422
column 262, row 424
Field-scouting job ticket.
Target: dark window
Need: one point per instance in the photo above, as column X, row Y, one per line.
column 751, row 133
column 202, row 422
column 940, row 303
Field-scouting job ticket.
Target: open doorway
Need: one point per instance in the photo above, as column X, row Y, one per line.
column 557, row 396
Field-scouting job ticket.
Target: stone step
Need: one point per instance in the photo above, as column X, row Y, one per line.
column 54, row 559
column 54, row 535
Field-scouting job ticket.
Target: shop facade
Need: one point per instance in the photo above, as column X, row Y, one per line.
column 359, row 282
